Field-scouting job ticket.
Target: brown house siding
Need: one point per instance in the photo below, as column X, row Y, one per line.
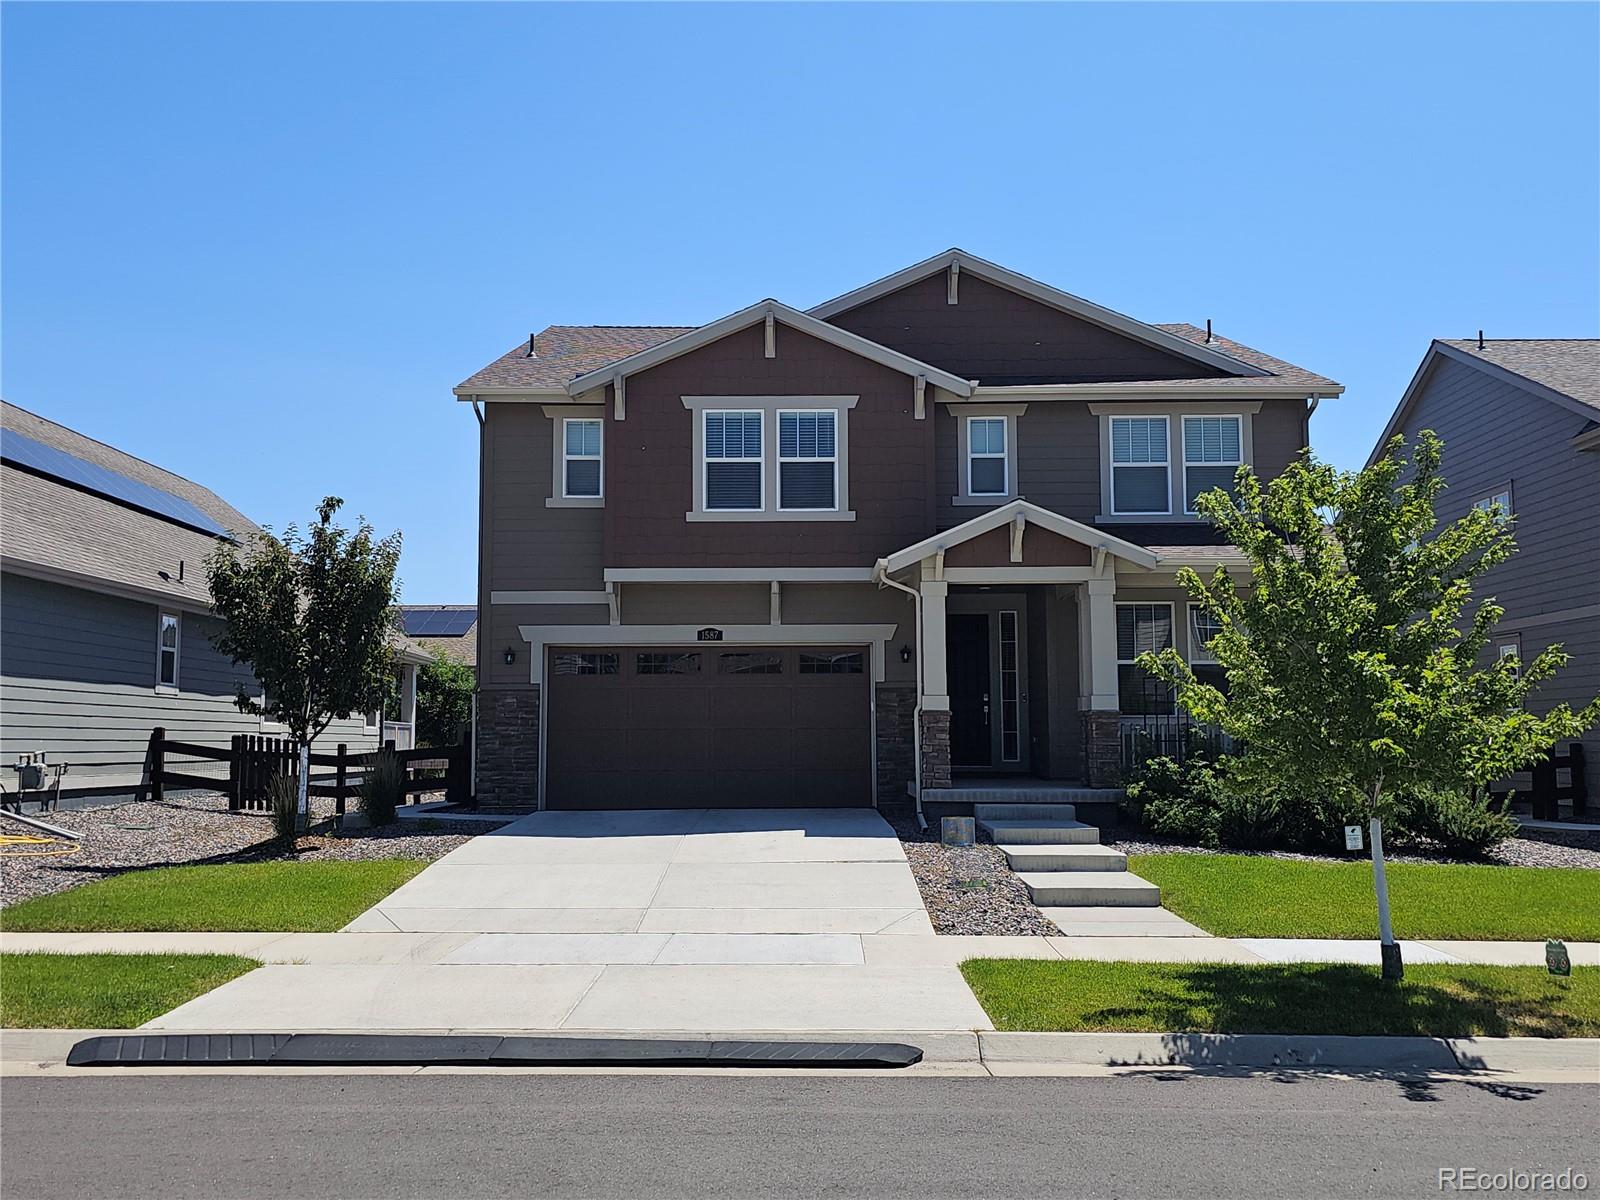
column 1040, row 548
column 531, row 546
column 998, row 336
column 650, row 475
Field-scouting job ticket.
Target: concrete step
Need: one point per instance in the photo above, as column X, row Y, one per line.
column 1031, row 793
column 1091, row 889
column 1025, row 812
column 1040, row 833
column 1082, row 857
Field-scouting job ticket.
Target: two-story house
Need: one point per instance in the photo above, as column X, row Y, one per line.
column 833, row 556
column 1520, row 420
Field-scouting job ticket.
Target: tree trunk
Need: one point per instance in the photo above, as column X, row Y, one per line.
column 1393, row 968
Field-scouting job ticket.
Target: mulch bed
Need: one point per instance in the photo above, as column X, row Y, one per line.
column 198, row 828
column 1533, row 848
column 969, row 890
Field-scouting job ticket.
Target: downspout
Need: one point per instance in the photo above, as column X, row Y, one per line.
column 1311, row 408
column 881, row 572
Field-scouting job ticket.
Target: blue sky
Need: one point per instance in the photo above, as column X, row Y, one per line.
column 259, row 244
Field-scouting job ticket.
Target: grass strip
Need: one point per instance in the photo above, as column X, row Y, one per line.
column 1296, row 998
column 106, row 991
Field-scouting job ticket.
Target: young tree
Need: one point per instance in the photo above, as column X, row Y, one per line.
column 1353, row 669
column 444, row 700
column 311, row 615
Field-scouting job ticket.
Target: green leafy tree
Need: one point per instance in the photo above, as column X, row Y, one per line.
column 311, row 615
column 1353, row 668
column 444, row 700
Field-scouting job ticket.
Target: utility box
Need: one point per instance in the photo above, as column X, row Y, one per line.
column 957, row 831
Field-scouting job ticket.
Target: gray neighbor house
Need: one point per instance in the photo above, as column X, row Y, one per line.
column 1520, row 420
column 905, row 543
column 105, row 616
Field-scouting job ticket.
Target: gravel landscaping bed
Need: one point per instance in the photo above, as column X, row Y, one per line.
column 1534, row 848
column 198, row 828
column 969, row 890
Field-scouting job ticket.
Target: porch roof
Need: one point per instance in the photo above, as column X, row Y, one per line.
column 1032, row 514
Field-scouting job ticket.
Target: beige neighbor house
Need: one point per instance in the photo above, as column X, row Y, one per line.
column 1520, row 420
column 903, row 543
column 106, row 624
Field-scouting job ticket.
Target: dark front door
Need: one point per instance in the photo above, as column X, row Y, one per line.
column 968, row 658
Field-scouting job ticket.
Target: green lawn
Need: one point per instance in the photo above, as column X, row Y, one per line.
column 1235, row 895
column 105, row 991
column 273, row 897
column 1303, row 998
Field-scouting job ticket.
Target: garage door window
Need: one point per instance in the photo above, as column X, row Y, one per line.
column 851, row 662
column 667, row 664
column 586, row 664
column 759, row 662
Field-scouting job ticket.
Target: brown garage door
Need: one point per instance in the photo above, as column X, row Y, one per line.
column 709, row 727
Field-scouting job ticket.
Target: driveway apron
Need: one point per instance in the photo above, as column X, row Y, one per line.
column 709, row 920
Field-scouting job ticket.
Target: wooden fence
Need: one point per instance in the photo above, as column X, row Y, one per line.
column 1548, row 791
column 254, row 761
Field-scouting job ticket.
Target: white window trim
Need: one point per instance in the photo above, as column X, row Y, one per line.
column 1197, row 648
column 599, row 457
column 1183, row 440
column 1196, row 408
column 559, row 415
column 177, row 650
column 1508, row 645
column 1004, row 456
column 769, row 407
column 760, row 459
column 964, row 414
column 1486, row 502
column 1166, row 463
column 832, row 458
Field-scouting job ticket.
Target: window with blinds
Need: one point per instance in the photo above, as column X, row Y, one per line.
column 808, row 461
column 1213, row 452
column 1140, row 478
column 733, row 461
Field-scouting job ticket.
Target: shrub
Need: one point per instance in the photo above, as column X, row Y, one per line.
column 283, row 800
column 1248, row 817
column 382, row 787
column 1178, row 800
column 1459, row 822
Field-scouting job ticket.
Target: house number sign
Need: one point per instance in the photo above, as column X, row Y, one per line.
column 709, row 635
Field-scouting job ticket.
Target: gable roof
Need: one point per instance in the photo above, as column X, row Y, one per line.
column 1033, row 514
column 1153, row 335
column 1564, row 371
column 562, row 353
column 460, row 648
column 782, row 314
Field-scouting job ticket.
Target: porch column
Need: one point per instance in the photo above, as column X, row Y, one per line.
column 1098, row 700
column 408, row 698
column 935, row 698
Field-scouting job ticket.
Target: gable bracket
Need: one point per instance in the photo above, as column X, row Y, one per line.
column 620, row 404
column 771, row 335
column 920, row 397
column 952, row 291
column 1018, row 524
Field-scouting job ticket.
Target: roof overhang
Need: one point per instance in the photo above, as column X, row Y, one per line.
column 1153, row 389
column 1032, row 514
column 1438, row 350
column 1066, row 302
column 782, row 314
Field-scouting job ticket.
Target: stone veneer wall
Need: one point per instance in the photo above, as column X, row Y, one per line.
column 936, row 749
column 896, row 709
column 1102, row 748
column 508, row 748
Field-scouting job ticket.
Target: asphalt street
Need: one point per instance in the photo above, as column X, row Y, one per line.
column 464, row 1136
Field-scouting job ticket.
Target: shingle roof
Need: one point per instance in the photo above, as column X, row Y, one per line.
column 564, row 352
column 64, row 530
column 1282, row 372
column 1570, row 366
column 462, row 649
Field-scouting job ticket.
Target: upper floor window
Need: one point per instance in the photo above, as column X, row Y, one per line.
column 1140, row 473
column 1499, row 503
column 988, row 465
column 581, row 468
column 1213, row 452
column 808, row 461
column 167, row 651
column 733, row 466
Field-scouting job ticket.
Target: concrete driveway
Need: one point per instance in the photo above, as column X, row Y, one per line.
column 672, row 920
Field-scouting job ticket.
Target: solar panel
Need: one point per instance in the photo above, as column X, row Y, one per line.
column 64, row 468
column 438, row 622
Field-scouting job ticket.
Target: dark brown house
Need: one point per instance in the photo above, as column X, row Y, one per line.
column 834, row 557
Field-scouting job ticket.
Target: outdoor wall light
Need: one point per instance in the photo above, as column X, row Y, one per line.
column 511, row 656
column 905, row 653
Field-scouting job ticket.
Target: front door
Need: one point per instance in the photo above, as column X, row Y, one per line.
column 971, row 730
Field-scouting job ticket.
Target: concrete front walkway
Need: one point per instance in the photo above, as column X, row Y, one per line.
column 666, row 920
